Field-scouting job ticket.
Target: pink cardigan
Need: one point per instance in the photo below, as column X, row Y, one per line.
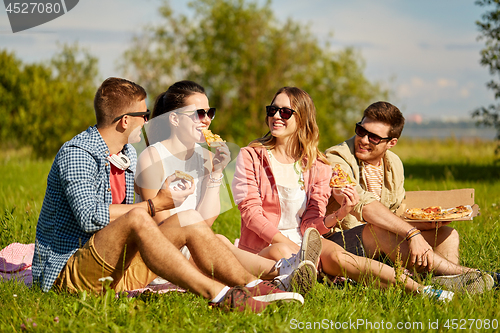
column 255, row 192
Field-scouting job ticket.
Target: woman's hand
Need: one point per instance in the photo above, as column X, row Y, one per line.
column 168, row 199
column 350, row 198
column 222, row 158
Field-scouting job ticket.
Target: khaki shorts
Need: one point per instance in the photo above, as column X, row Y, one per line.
column 84, row 269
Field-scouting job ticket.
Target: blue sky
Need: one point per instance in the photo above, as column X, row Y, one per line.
column 426, row 52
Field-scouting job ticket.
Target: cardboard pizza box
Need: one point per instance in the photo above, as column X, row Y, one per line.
column 445, row 199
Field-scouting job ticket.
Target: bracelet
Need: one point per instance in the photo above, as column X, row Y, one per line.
column 214, row 185
column 216, row 180
column 151, row 207
column 409, row 231
column 337, row 219
column 413, row 235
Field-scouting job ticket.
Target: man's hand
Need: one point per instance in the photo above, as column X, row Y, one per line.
column 168, row 199
column 431, row 225
column 421, row 253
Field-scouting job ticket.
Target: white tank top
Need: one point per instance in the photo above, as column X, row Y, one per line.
column 193, row 166
column 292, row 197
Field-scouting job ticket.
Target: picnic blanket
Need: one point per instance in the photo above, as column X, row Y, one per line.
column 16, row 260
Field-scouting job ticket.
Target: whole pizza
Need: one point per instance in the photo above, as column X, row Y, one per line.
column 437, row 213
column 340, row 178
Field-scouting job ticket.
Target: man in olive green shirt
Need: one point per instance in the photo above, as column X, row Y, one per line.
column 372, row 228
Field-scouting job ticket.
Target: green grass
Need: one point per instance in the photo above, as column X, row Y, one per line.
column 429, row 166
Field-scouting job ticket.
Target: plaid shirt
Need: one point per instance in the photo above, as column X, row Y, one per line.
column 76, row 203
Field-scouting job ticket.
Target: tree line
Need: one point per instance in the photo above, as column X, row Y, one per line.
column 239, row 50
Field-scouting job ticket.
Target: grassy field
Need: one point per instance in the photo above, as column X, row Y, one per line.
column 429, row 165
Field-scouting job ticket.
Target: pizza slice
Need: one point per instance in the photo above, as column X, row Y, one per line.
column 458, row 212
column 428, row 213
column 213, row 140
column 182, row 175
column 437, row 213
column 340, row 178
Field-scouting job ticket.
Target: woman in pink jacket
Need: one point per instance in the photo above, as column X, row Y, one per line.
column 281, row 186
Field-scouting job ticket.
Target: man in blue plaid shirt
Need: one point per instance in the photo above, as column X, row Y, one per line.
column 90, row 231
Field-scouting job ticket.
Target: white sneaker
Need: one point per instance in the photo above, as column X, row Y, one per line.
column 287, row 266
column 310, row 250
column 473, row 282
column 311, row 246
column 438, row 294
column 300, row 280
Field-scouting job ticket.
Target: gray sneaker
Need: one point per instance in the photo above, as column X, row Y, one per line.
column 301, row 280
column 473, row 282
column 311, row 246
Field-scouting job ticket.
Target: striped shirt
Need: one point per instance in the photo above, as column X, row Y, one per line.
column 374, row 178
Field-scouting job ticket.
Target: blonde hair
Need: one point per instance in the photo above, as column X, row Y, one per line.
column 304, row 141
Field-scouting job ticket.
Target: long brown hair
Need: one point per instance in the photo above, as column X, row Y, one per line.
column 304, row 142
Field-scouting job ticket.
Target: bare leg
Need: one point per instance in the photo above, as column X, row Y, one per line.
column 336, row 261
column 255, row 264
column 445, row 242
column 277, row 251
column 376, row 240
column 208, row 252
column 136, row 232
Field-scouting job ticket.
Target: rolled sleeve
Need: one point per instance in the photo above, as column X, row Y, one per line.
column 320, row 191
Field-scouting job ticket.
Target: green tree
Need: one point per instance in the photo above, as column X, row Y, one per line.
column 45, row 104
column 242, row 53
column 489, row 27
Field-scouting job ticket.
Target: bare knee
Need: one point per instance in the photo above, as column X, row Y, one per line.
column 224, row 240
column 137, row 219
column 189, row 217
column 330, row 262
column 449, row 234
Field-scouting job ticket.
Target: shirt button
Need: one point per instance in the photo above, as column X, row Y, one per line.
column 107, row 164
column 106, row 152
column 109, row 190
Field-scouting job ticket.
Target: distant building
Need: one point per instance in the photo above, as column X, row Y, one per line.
column 414, row 118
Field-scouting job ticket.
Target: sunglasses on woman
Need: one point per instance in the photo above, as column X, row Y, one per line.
column 285, row 113
column 144, row 115
column 201, row 113
column 372, row 137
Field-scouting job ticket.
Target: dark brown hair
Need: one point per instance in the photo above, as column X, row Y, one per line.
column 386, row 113
column 175, row 97
column 114, row 97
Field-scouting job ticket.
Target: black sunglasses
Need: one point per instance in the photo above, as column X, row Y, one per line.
column 285, row 113
column 372, row 137
column 202, row 113
column 144, row 115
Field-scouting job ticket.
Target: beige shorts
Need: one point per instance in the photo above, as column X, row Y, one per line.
column 84, row 269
